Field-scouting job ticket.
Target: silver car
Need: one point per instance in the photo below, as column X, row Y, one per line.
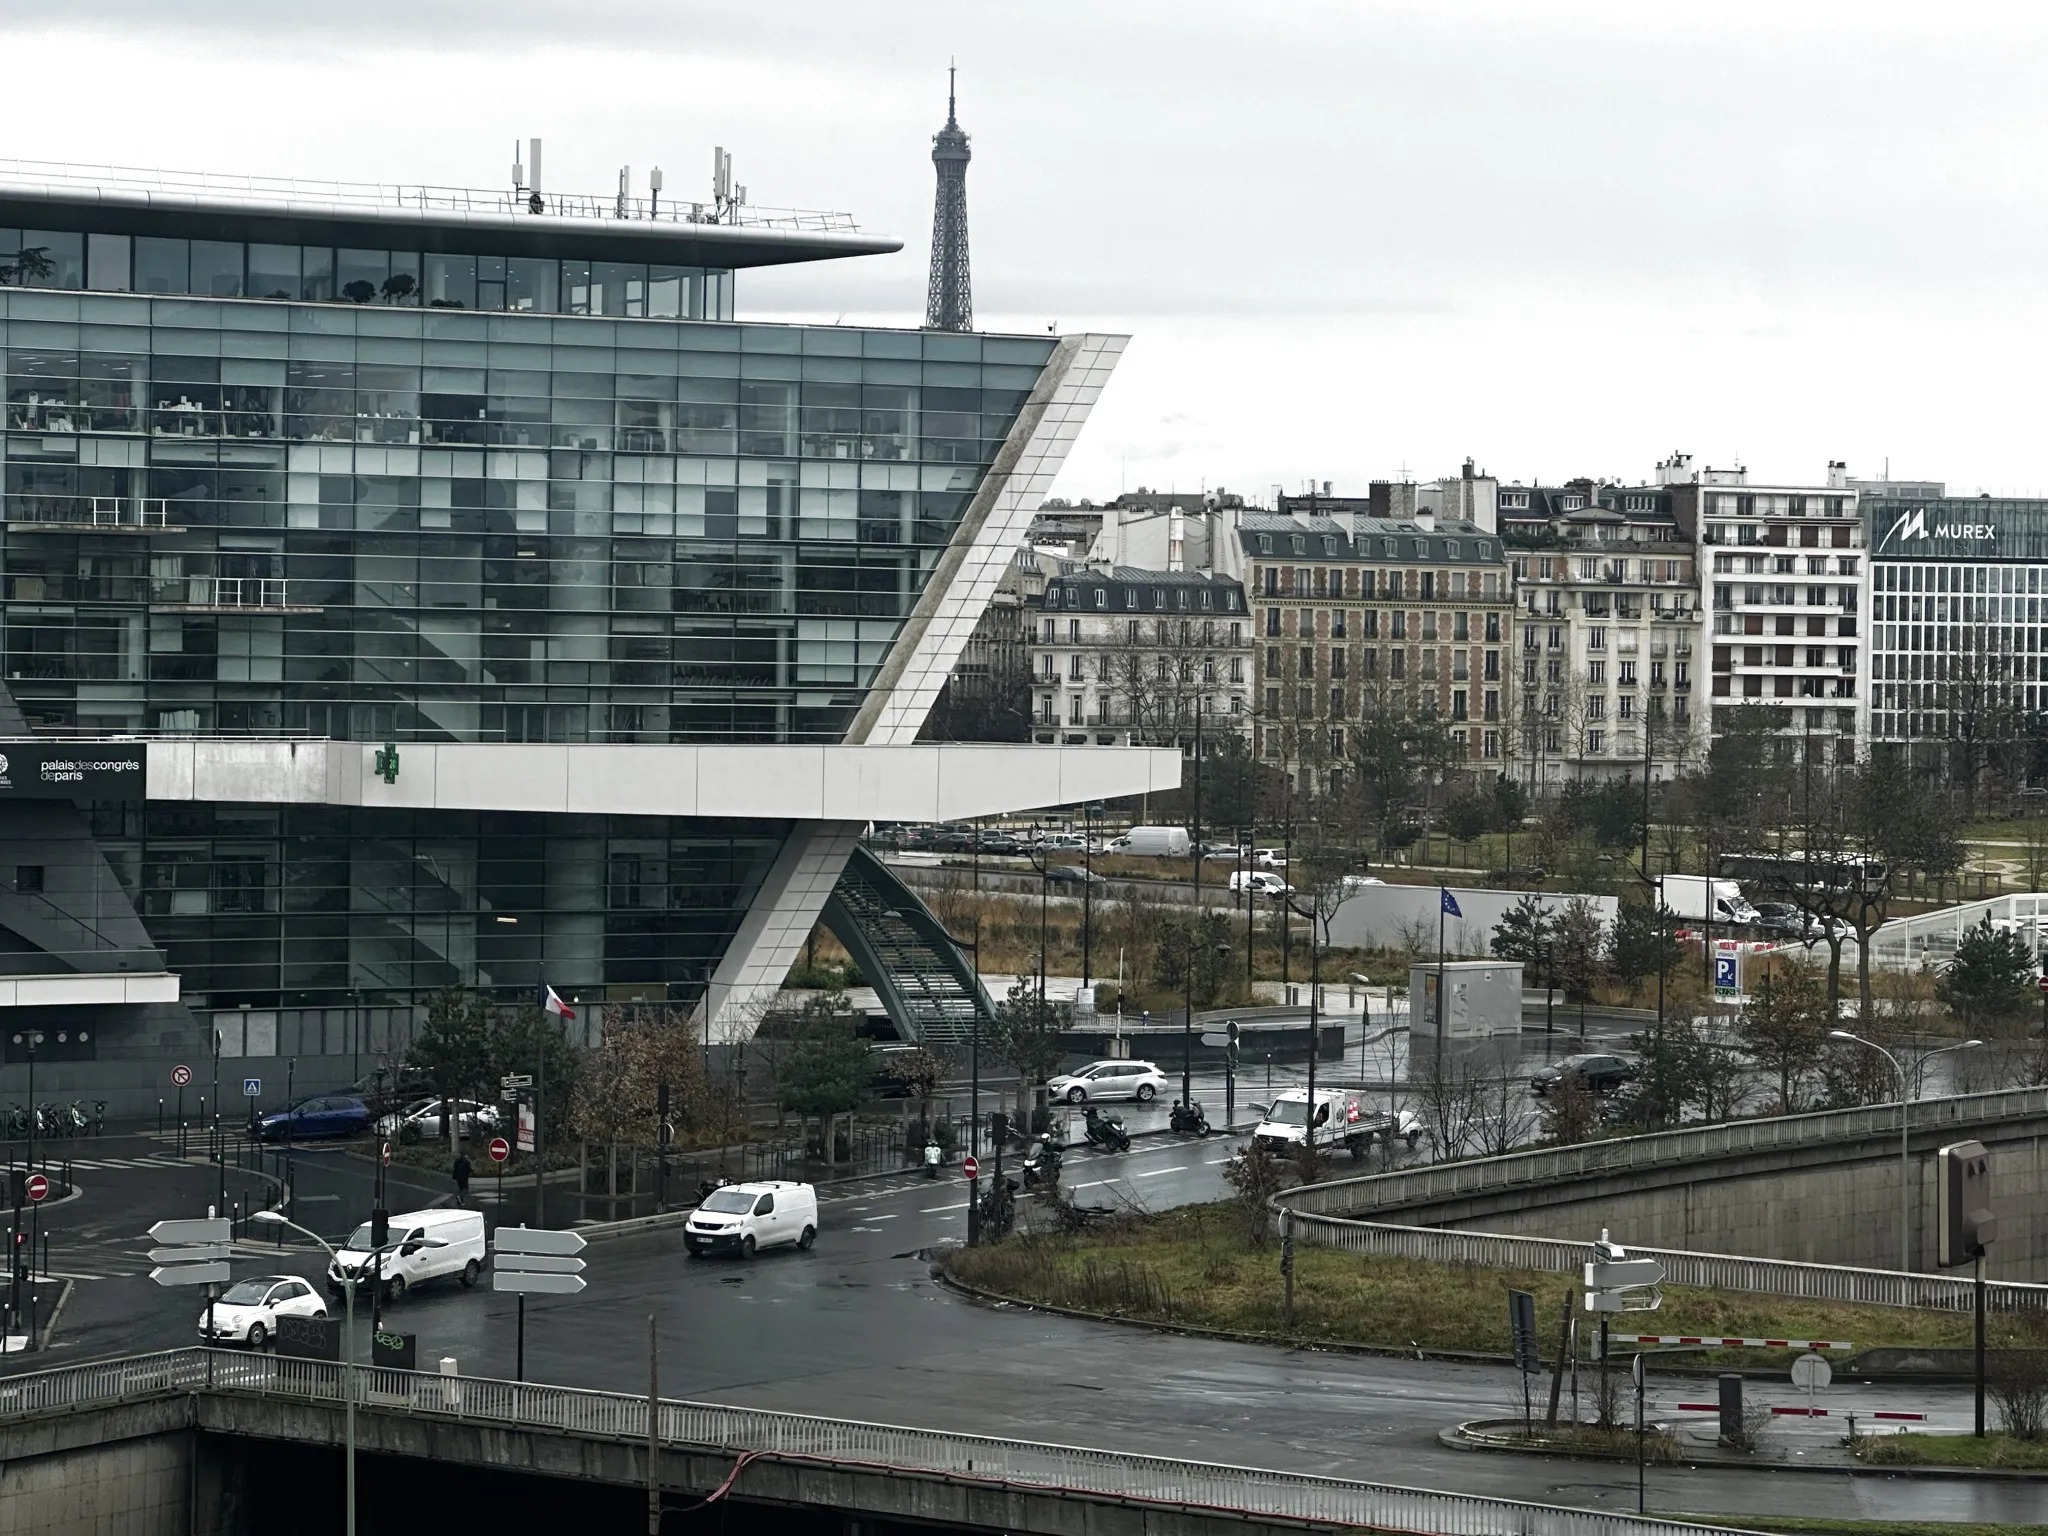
column 1139, row 1080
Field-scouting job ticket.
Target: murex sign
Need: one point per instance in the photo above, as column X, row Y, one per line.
column 72, row 770
column 1914, row 526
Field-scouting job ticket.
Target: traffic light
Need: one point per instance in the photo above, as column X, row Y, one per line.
column 998, row 1127
column 1230, row 1031
column 1965, row 1223
column 380, row 1228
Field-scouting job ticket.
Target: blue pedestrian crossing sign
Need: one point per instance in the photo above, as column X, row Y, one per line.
column 252, row 1087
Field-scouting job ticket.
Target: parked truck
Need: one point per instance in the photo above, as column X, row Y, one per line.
column 1154, row 842
column 1687, row 897
column 1341, row 1117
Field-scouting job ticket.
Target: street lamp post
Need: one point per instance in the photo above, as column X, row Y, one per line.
column 1905, row 1131
column 348, row 1286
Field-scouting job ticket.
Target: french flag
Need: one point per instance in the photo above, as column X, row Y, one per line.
column 551, row 1000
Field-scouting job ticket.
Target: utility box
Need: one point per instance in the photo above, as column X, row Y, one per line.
column 1482, row 1001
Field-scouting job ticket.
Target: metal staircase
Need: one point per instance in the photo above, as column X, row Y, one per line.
column 931, row 992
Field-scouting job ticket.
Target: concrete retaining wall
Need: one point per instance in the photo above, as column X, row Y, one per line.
column 1825, row 1203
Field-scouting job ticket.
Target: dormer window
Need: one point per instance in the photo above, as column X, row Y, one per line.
column 1422, row 549
column 1329, row 546
column 1102, row 597
column 1485, row 550
column 1298, row 544
column 1131, row 598
column 1265, row 544
column 1450, row 549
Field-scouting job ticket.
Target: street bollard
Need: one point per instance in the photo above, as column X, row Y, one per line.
column 159, row 1115
column 1731, row 1410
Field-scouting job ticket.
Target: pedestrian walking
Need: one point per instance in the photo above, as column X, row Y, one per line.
column 461, row 1172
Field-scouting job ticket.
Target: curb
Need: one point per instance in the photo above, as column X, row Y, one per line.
column 1354, row 1347
column 1463, row 1437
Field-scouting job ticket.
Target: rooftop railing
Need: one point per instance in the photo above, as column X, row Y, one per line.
column 372, row 197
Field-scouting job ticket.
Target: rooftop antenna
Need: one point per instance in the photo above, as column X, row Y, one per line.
column 518, row 171
column 533, row 202
column 654, row 192
column 625, row 190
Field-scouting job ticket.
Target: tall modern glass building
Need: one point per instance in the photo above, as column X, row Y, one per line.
column 407, row 588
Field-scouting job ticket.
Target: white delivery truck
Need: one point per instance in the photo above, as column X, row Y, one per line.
column 1687, row 897
column 1154, row 842
column 1342, row 1117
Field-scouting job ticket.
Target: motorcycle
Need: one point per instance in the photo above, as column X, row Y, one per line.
column 48, row 1119
column 1188, row 1117
column 1041, row 1164
column 17, row 1123
column 1106, row 1132
column 999, row 1210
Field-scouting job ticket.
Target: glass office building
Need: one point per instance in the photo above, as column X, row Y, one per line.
column 369, row 472
column 1959, row 606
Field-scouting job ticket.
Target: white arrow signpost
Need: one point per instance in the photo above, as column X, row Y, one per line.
column 193, row 1251
column 535, row 1261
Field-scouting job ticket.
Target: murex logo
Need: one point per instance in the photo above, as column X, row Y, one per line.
column 1914, row 526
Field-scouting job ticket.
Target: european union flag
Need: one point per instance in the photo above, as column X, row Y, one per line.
column 1449, row 907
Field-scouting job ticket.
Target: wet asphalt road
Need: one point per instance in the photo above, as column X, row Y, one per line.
column 858, row 1329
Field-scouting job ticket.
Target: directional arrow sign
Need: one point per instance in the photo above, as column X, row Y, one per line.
column 516, row 1080
column 198, row 1253
column 191, row 1274
column 542, row 1285
column 1215, row 1037
column 204, row 1229
column 538, row 1264
column 1643, row 1300
column 537, row 1240
column 1623, row 1274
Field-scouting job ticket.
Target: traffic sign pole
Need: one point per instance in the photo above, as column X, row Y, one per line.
column 971, row 1166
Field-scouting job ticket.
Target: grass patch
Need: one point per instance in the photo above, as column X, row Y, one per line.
column 1996, row 1452
column 1194, row 1267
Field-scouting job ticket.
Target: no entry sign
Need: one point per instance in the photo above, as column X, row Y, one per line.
column 37, row 1187
column 500, row 1149
column 970, row 1167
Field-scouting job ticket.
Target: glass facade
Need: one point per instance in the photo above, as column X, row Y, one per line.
column 453, row 499
column 329, row 274
column 384, row 523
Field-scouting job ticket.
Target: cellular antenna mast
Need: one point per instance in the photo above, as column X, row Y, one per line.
column 949, row 306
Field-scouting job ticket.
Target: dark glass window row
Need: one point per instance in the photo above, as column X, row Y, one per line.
column 233, row 269
column 307, row 906
column 204, row 397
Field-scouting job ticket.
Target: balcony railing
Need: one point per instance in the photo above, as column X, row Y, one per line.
column 223, row 592
column 110, row 512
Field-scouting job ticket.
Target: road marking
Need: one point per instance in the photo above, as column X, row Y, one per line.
column 933, row 1209
column 1153, row 1173
column 1215, row 1162
column 890, row 1217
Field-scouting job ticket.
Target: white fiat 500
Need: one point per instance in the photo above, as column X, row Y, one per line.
column 247, row 1312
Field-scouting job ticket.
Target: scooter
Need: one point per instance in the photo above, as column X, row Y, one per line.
column 1188, row 1117
column 1041, row 1164
column 1106, row 1132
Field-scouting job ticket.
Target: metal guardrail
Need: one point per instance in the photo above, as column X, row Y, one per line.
column 1323, row 1213
column 1244, row 1491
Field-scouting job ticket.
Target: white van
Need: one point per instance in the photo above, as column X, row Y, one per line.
column 1153, row 843
column 740, row 1218
column 430, row 1245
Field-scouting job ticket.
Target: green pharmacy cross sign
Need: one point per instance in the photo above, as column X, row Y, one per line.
column 387, row 762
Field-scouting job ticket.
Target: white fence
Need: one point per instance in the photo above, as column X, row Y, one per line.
column 1247, row 1492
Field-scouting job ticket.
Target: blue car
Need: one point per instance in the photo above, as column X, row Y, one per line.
column 311, row 1118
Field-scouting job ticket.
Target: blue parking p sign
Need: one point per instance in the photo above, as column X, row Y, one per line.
column 1728, row 973
column 251, row 1087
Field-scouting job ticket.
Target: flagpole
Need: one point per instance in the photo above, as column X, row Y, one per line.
column 1442, row 893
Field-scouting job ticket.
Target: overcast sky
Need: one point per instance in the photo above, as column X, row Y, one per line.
column 1561, row 236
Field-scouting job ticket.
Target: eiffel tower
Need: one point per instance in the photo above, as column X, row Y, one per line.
column 950, row 304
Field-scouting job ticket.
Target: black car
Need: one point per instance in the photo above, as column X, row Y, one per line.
column 1781, row 917
column 1000, row 842
column 1073, row 874
column 1601, row 1073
